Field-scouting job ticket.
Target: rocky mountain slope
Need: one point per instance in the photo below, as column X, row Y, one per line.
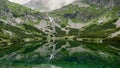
column 16, row 23
column 47, row 5
column 87, row 30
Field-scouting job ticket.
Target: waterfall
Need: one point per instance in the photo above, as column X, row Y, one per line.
column 53, row 45
column 52, row 36
column 53, row 52
column 51, row 19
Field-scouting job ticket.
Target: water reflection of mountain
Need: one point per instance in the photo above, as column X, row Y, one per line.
column 61, row 51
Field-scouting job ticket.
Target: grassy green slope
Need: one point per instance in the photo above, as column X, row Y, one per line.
column 9, row 33
column 104, row 29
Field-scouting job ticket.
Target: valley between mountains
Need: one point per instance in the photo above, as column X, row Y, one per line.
column 60, row 34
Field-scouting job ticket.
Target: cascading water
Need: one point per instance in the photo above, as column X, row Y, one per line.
column 51, row 36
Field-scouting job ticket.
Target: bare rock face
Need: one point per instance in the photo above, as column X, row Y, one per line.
column 104, row 3
column 48, row 5
column 44, row 5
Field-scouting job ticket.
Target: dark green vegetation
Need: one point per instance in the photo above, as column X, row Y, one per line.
column 59, row 32
column 113, row 40
column 12, row 34
column 100, row 31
